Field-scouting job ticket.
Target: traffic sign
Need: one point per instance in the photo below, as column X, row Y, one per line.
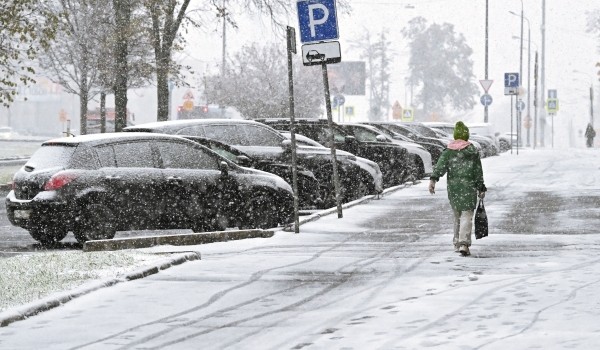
column 339, row 100
column 486, row 99
column 552, row 93
column 511, row 83
column 485, row 84
column 552, row 105
column 520, row 105
column 319, row 53
column 407, row 115
column 317, row 20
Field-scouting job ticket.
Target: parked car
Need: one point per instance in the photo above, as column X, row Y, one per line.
column 95, row 185
column 488, row 146
column 420, row 159
column 265, row 143
column 488, row 130
column 367, row 165
column 308, row 185
column 391, row 158
column 6, row 133
column 397, row 131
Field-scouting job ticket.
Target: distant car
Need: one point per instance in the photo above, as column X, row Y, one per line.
column 487, row 145
column 313, row 55
column 6, row 132
column 421, row 164
column 95, row 185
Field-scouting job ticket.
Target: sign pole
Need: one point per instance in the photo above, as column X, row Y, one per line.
column 336, row 178
column 291, row 48
column 511, row 124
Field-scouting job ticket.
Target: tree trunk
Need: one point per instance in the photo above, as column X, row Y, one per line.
column 162, row 87
column 83, row 95
column 122, row 16
column 102, row 112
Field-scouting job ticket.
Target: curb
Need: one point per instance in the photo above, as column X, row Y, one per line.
column 45, row 304
column 184, row 239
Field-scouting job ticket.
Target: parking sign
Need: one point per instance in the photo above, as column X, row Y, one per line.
column 317, row 20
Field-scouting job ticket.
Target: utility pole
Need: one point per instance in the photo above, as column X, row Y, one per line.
column 485, row 108
column 543, row 77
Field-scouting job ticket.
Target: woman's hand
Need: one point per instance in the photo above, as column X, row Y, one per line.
column 431, row 186
column 481, row 195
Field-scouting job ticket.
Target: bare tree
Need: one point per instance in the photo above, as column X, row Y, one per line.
column 255, row 83
column 26, row 27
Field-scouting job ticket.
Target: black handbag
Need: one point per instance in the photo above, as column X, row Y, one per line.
column 481, row 221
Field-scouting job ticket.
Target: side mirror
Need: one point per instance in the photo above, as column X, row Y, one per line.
column 243, row 161
column 224, row 168
column 381, row 138
column 349, row 139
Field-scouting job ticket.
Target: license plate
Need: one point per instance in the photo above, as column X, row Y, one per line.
column 22, row 214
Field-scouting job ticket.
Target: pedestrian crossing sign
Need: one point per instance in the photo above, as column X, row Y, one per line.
column 407, row 115
column 552, row 105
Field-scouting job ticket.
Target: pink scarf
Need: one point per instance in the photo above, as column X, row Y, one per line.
column 457, row 145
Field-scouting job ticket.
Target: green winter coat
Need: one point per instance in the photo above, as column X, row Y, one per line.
column 465, row 176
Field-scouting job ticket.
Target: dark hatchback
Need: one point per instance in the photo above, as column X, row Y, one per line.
column 391, row 158
column 262, row 142
column 95, row 185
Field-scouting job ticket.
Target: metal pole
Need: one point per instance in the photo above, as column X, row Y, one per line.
column 485, row 108
column 592, row 104
column 528, row 82
column 543, row 77
column 291, row 48
column 511, row 124
column 519, row 109
column 535, row 101
column 336, row 178
column 224, row 61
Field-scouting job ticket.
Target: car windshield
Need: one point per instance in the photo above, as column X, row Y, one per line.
column 50, row 156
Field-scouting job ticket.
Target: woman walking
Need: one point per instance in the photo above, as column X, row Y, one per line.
column 465, row 183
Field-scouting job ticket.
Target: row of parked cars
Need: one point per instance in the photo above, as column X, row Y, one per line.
column 207, row 174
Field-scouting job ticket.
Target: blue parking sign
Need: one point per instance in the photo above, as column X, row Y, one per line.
column 511, row 80
column 317, row 20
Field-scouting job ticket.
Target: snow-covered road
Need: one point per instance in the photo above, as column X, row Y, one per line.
column 383, row 277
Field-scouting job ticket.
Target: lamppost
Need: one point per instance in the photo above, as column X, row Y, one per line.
column 521, row 74
column 528, row 116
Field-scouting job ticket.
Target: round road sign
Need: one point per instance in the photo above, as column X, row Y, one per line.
column 486, row 99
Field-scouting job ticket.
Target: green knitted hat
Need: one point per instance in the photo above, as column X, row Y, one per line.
column 461, row 132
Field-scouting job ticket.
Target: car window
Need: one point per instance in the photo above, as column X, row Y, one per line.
column 49, row 156
column 224, row 153
column 364, row 135
column 229, row 134
column 194, row 130
column 260, row 136
column 106, row 156
column 134, row 155
column 84, row 158
column 323, row 135
column 177, row 155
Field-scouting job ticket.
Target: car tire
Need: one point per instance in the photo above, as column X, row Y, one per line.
column 361, row 189
column 219, row 222
column 259, row 214
column 420, row 173
column 95, row 221
column 48, row 235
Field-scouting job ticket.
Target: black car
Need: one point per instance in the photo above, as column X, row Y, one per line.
column 262, row 142
column 95, row 185
column 391, row 158
column 433, row 145
column 308, row 185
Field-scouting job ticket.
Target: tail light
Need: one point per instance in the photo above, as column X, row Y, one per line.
column 59, row 180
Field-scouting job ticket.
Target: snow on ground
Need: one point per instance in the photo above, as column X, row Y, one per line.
column 383, row 277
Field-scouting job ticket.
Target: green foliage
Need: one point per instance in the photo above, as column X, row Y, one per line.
column 440, row 66
column 256, row 84
column 25, row 28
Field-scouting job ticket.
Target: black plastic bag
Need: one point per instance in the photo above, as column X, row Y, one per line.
column 481, row 221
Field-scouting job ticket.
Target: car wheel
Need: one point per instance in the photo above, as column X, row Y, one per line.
column 420, row 173
column 259, row 214
column 95, row 221
column 504, row 146
column 361, row 189
column 219, row 222
column 47, row 235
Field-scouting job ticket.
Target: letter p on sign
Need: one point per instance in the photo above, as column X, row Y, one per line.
column 317, row 20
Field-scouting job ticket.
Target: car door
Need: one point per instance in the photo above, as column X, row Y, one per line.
column 198, row 192
column 131, row 177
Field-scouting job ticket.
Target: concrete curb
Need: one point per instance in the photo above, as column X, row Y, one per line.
column 50, row 302
column 184, row 239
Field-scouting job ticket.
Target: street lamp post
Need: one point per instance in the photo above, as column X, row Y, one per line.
column 519, row 112
column 591, row 94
